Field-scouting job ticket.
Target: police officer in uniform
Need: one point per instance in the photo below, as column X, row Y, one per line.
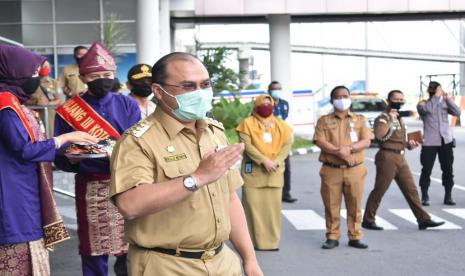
column 174, row 181
column 342, row 137
column 391, row 164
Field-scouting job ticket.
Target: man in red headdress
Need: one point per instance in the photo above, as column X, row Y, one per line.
column 103, row 115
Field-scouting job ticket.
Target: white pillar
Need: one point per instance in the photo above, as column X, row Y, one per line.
column 148, row 39
column 462, row 65
column 280, row 50
column 165, row 31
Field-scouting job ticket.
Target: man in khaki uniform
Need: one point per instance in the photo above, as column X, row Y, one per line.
column 174, row 181
column 391, row 164
column 48, row 94
column 342, row 137
column 69, row 79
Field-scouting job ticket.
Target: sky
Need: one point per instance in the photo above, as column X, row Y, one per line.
column 311, row 71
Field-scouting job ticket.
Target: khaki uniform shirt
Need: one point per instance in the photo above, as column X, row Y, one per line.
column 391, row 134
column 337, row 131
column 69, row 81
column 46, row 92
column 159, row 149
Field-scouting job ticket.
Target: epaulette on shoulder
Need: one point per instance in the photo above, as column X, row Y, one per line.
column 140, row 128
column 214, row 123
column 384, row 116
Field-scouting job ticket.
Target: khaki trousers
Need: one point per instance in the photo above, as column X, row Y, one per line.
column 389, row 166
column 349, row 182
column 144, row 262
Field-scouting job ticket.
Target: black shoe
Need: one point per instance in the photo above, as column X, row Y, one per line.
column 448, row 199
column 429, row 223
column 424, row 197
column 371, row 226
column 425, row 201
column 358, row 244
column 289, row 199
column 120, row 266
column 330, row 244
column 272, row 249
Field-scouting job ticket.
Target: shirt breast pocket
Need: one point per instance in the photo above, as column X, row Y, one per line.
column 173, row 171
column 331, row 132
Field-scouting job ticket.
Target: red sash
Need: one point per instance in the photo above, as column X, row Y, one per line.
column 8, row 100
column 81, row 116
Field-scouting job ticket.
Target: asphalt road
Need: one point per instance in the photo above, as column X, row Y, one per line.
column 401, row 250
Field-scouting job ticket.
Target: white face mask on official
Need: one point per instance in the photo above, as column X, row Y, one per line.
column 342, row 104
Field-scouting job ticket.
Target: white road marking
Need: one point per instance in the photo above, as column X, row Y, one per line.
column 305, row 219
column 408, row 215
column 456, row 212
column 379, row 221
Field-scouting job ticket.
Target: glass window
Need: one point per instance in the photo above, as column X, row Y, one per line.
column 37, row 11
column 128, row 31
column 37, row 34
column 10, row 11
column 72, row 10
column 74, row 34
column 123, row 9
column 12, row 32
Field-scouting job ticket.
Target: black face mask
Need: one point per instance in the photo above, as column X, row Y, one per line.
column 100, row 87
column 143, row 90
column 395, row 105
column 30, row 85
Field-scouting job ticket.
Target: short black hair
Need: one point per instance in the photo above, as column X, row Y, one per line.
column 272, row 83
column 333, row 91
column 159, row 74
column 392, row 92
column 432, row 86
column 77, row 48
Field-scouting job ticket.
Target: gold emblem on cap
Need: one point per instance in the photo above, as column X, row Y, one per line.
column 144, row 69
column 170, row 149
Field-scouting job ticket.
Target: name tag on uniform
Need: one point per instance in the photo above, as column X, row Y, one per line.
column 353, row 136
column 175, row 157
column 267, row 138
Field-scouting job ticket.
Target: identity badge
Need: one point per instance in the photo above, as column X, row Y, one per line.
column 267, row 138
column 353, row 136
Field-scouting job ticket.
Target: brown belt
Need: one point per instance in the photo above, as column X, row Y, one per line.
column 398, row 151
column 202, row 255
column 338, row 166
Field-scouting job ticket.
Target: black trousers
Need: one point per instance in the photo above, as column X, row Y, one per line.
column 446, row 160
column 287, row 177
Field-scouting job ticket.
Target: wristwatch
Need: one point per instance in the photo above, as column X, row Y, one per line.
column 190, row 183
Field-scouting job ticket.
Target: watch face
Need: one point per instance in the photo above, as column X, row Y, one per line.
column 189, row 182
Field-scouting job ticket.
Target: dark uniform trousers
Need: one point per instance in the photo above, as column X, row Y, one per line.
column 389, row 166
column 287, row 177
column 446, row 159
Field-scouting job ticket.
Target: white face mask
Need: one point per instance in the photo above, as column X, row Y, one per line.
column 342, row 104
column 277, row 94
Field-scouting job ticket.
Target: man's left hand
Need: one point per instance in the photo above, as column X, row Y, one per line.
column 413, row 144
column 252, row 269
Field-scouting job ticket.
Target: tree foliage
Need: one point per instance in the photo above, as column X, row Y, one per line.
column 224, row 78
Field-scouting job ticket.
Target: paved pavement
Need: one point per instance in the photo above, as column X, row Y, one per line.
column 399, row 250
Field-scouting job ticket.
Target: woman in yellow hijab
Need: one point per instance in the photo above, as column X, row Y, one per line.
column 267, row 142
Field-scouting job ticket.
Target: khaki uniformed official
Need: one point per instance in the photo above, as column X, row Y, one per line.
column 69, row 80
column 342, row 137
column 391, row 164
column 173, row 179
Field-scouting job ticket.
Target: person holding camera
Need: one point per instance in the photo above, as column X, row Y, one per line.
column 438, row 140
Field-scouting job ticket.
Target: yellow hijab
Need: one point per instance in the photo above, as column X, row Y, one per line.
column 256, row 128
